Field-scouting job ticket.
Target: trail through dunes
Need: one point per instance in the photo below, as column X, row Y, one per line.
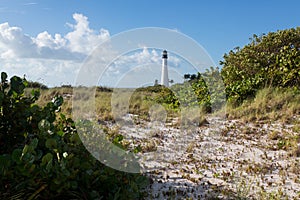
column 225, row 159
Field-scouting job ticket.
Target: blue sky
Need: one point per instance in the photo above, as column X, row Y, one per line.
column 218, row 26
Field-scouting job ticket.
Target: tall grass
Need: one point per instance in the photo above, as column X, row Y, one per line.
column 268, row 104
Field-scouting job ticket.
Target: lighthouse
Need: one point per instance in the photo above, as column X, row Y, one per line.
column 164, row 69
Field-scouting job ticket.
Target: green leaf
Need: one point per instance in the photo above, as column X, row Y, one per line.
column 34, row 143
column 17, row 85
column 32, row 168
column 3, row 77
column 134, row 186
column 57, row 181
column 5, row 161
column 35, row 94
column 74, row 184
column 25, row 149
column 47, row 158
column 51, row 143
column 44, row 125
column 75, row 139
column 118, row 138
column 66, row 172
column 58, row 101
column 137, row 149
column 16, row 155
column 62, row 116
column 1, row 97
column 49, row 165
column 60, row 133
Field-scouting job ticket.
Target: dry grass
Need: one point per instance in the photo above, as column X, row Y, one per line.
column 269, row 104
column 273, row 106
column 107, row 105
column 82, row 97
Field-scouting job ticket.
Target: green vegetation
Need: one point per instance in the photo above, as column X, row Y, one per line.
column 34, row 84
column 42, row 157
column 204, row 91
column 271, row 60
column 262, row 79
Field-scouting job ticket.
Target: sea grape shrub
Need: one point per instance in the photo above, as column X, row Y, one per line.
column 17, row 115
column 271, row 60
column 42, row 156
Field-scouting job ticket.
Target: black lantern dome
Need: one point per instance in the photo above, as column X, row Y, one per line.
column 165, row 54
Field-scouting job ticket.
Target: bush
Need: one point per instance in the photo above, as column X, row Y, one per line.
column 41, row 154
column 33, row 84
column 204, row 90
column 207, row 90
column 271, row 60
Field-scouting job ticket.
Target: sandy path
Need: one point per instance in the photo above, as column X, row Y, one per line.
column 223, row 160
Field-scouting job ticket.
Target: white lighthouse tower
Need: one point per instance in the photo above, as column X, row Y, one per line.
column 164, row 69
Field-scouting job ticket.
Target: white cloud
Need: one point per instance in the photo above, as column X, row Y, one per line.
column 83, row 39
column 144, row 57
column 75, row 45
column 139, row 57
column 30, row 4
column 50, row 72
column 14, row 43
column 54, row 59
column 57, row 58
column 44, row 39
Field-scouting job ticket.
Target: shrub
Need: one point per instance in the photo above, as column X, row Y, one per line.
column 204, row 90
column 271, row 60
column 41, row 154
column 34, row 84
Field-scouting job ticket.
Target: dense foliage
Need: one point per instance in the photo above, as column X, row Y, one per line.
column 209, row 89
column 42, row 157
column 271, row 60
